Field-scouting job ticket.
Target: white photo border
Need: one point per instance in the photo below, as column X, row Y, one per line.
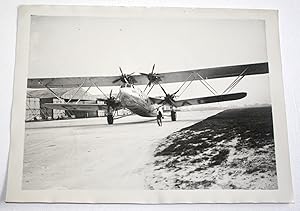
column 283, row 194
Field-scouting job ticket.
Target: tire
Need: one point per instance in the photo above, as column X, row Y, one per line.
column 173, row 115
column 110, row 119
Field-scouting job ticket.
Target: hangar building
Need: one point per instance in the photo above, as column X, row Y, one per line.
column 35, row 109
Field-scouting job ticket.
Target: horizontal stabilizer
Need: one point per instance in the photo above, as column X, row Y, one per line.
column 210, row 99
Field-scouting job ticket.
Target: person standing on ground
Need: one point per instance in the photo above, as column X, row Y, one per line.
column 159, row 116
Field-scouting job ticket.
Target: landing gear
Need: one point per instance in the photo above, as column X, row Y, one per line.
column 110, row 119
column 173, row 115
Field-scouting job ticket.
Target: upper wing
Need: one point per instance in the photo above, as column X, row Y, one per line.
column 210, row 99
column 71, row 82
column 169, row 77
column 76, row 107
column 216, row 72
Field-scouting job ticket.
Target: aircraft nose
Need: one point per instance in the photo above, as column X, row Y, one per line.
column 124, row 92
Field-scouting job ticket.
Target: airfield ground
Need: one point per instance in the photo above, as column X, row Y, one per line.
column 232, row 150
column 89, row 154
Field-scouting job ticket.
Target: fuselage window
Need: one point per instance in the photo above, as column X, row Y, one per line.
column 126, row 85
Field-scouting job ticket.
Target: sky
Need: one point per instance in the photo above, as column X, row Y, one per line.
column 95, row 46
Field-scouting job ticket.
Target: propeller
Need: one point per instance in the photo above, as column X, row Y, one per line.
column 110, row 101
column 169, row 98
column 125, row 78
column 153, row 77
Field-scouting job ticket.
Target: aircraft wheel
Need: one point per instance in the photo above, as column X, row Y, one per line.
column 110, row 119
column 173, row 115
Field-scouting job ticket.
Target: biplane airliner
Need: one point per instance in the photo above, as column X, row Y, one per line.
column 139, row 101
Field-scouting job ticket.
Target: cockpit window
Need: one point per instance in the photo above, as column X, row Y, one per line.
column 126, row 85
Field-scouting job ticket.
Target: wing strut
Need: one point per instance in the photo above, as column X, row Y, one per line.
column 192, row 74
column 60, row 99
column 207, row 85
column 150, row 89
column 76, row 91
column 170, row 98
column 98, row 88
column 201, row 79
column 83, row 94
column 236, row 81
column 186, row 88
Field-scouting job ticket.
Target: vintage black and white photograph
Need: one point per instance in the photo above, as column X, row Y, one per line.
column 148, row 102
column 157, row 104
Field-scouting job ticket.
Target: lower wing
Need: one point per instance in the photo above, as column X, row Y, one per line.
column 75, row 107
column 210, row 99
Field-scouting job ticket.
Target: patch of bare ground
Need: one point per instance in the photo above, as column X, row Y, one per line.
column 231, row 150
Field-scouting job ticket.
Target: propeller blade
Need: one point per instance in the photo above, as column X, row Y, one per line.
column 115, row 81
column 101, row 99
column 110, row 93
column 121, row 70
column 153, row 68
column 161, row 102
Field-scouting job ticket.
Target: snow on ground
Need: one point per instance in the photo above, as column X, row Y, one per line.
column 231, row 150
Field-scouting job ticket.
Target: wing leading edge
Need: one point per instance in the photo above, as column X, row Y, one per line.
column 169, row 77
column 210, row 99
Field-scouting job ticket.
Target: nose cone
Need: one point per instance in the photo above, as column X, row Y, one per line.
column 125, row 91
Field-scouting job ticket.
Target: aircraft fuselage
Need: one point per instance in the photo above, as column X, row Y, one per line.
column 137, row 101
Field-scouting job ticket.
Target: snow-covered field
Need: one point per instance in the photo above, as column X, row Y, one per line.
column 89, row 154
column 231, row 150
